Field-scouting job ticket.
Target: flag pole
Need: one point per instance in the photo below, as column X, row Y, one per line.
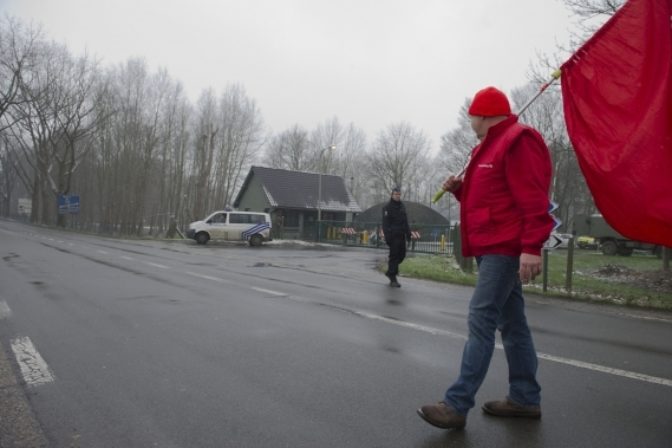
column 554, row 76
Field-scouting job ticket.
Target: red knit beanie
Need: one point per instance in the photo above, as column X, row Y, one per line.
column 489, row 102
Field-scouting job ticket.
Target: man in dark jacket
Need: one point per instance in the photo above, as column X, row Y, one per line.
column 397, row 232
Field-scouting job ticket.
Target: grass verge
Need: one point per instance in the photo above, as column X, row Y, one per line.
column 636, row 281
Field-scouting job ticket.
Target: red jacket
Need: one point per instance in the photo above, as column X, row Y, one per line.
column 504, row 193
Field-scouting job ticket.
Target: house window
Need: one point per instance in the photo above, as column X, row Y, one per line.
column 292, row 218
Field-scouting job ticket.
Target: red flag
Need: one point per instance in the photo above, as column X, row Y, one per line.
column 617, row 94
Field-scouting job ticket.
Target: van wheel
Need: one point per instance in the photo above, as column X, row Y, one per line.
column 256, row 240
column 202, row 238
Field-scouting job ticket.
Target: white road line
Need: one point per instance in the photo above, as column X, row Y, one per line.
column 544, row 356
column 126, row 257
column 207, row 277
column 34, row 369
column 102, row 252
column 609, row 370
column 156, row 265
column 5, row 312
column 651, row 318
column 268, row 291
column 423, row 328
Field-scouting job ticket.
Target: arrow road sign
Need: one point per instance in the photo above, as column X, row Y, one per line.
column 552, row 206
column 553, row 242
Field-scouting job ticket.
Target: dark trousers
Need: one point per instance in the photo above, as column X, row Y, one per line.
column 397, row 254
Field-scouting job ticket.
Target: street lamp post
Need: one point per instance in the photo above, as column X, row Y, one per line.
column 319, row 191
column 319, row 196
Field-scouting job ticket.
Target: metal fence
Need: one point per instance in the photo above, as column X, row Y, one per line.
column 430, row 239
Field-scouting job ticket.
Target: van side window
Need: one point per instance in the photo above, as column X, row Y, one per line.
column 239, row 218
column 258, row 219
column 219, row 218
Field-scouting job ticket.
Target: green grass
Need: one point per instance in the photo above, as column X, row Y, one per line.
column 590, row 280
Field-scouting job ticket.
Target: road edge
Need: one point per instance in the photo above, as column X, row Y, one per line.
column 18, row 426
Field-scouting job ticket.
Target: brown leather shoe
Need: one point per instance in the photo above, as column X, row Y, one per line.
column 442, row 415
column 508, row 408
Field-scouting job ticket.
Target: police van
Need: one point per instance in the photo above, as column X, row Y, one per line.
column 227, row 225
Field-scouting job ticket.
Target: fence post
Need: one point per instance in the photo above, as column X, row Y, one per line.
column 666, row 258
column 466, row 263
column 570, row 265
column 457, row 245
column 544, row 269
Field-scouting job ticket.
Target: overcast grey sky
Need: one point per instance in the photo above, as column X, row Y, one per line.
column 370, row 62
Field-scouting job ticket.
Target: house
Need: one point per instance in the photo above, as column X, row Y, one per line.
column 295, row 199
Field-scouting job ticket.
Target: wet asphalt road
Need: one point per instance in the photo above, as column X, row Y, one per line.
column 171, row 344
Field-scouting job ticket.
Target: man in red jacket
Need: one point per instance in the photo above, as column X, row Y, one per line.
column 504, row 221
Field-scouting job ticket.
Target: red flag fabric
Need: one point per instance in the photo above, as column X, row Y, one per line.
column 617, row 95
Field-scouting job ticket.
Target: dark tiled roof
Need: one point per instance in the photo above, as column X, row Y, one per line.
column 298, row 189
column 417, row 213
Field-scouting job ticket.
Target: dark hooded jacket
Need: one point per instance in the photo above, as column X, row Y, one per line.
column 395, row 221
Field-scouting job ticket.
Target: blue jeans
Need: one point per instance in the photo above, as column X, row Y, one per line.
column 497, row 303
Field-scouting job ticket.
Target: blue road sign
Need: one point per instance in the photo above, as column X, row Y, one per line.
column 68, row 204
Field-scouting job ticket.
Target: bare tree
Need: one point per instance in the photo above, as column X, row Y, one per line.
column 17, row 46
column 171, row 177
column 592, row 13
column 289, row 149
column 396, row 159
column 239, row 142
column 206, row 131
column 40, row 124
column 351, row 153
column 456, row 145
column 8, row 176
column 331, row 148
column 78, row 120
column 147, row 159
column 325, row 142
column 337, row 149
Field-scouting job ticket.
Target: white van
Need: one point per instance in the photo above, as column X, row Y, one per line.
column 228, row 225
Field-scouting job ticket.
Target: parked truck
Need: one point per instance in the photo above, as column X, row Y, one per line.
column 610, row 241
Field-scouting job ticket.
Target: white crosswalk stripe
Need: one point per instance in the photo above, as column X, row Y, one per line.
column 5, row 312
column 34, row 368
